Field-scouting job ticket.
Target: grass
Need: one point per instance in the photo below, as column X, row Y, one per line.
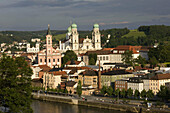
column 59, row 37
column 135, row 33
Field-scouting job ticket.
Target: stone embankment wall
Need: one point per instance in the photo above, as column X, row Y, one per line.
column 120, row 107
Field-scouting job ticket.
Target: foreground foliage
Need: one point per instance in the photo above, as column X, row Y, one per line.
column 15, row 85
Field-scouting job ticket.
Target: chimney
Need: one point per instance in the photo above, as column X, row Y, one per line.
column 99, row 78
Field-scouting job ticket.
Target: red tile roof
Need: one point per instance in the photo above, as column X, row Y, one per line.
column 76, row 62
column 58, row 72
column 44, row 67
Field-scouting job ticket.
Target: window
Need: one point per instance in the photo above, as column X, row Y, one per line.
column 58, row 60
column 53, row 60
column 49, row 60
column 103, row 57
column 48, row 41
column 106, row 57
column 40, row 60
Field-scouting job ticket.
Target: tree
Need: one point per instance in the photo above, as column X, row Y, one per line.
column 141, row 60
column 153, row 62
column 149, row 94
column 123, row 93
column 68, row 56
column 103, row 90
column 109, row 91
column 79, row 88
column 163, row 93
column 117, row 91
column 15, row 84
column 143, row 93
column 129, row 92
column 137, row 93
column 92, row 59
column 127, row 57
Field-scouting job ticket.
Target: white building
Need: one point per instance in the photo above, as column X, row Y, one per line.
column 81, row 45
column 34, row 49
column 135, row 83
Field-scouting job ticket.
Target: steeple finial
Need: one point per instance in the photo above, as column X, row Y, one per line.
column 48, row 32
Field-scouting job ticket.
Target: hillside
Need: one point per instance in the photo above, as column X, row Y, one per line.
column 135, row 33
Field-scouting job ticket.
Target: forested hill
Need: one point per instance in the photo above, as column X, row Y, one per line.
column 10, row 36
column 144, row 35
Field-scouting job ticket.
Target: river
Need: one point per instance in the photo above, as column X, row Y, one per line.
column 53, row 107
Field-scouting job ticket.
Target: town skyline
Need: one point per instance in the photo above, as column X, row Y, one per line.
column 27, row 15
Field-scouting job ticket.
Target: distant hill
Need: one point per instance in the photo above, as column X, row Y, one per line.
column 144, row 35
column 135, row 33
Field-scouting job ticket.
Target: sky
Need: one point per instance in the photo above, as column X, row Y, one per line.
column 30, row 15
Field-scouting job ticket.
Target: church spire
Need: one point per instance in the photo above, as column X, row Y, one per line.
column 48, row 31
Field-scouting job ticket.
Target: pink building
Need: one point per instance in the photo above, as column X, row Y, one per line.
column 49, row 56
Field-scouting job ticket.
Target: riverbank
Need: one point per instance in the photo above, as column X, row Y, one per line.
column 80, row 102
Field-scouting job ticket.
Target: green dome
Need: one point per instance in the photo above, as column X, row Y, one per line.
column 69, row 29
column 74, row 25
column 96, row 26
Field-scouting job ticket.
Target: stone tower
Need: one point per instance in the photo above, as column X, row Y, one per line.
column 74, row 37
column 49, row 47
column 96, row 38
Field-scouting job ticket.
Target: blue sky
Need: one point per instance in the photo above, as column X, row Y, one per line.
column 37, row 14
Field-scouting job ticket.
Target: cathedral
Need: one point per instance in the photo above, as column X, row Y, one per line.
column 81, row 45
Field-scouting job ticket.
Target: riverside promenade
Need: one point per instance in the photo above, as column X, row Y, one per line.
column 97, row 102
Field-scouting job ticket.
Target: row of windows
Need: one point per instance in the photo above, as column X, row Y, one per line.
column 103, row 58
column 49, row 60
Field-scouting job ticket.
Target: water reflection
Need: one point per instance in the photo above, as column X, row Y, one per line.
column 53, row 107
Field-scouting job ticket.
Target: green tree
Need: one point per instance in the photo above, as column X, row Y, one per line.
column 123, row 93
column 163, row 93
column 68, row 56
column 153, row 62
column 79, row 88
column 149, row 94
column 127, row 57
column 15, row 84
column 129, row 92
column 103, row 90
column 92, row 61
column 109, row 90
column 137, row 93
column 116, row 92
column 141, row 60
column 143, row 93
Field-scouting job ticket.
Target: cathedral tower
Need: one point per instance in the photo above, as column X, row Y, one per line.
column 74, row 37
column 96, row 38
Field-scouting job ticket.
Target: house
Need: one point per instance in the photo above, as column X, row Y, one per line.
column 121, row 84
column 135, row 83
column 71, row 86
column 52, row 80
column 157, row 81
column 74, row 63
column 89, row 78
column 109, row 77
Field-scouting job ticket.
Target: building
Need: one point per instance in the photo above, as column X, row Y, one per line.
column 71, row 86
column 33, row 48
column 49, row 56
column 121, row 84
column 109, row 77
column 52, row 80
column 157, row 81
column 135, row 83
column 115, row 55
column 88, row 78
column 81, row 45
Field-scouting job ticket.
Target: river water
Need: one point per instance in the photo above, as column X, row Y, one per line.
column 53, row 107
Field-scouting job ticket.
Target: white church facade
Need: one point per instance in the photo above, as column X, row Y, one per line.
column 81, row 45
